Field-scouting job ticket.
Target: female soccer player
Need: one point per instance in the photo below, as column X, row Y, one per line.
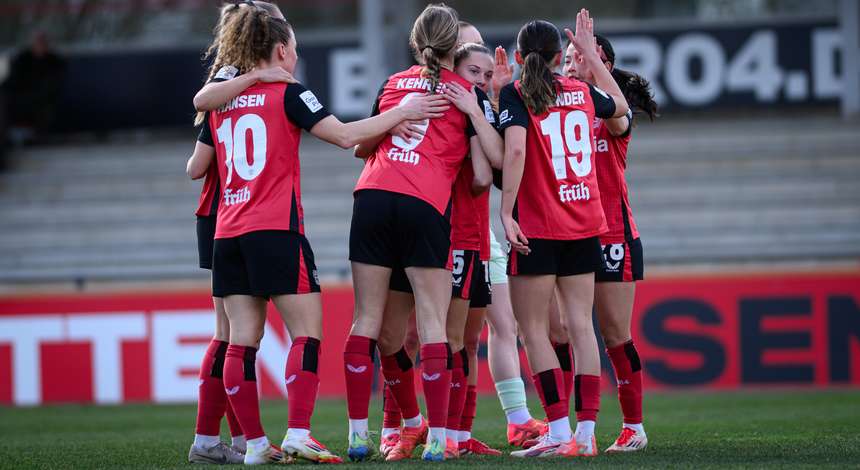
column 212, row 400
column 399, row 220
column 622, row 248
column 548, row 148
column 259, row 256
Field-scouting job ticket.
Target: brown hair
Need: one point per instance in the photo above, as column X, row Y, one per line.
column 220, row 51
column 538, row 43
column 434, row 36
column 465, row 50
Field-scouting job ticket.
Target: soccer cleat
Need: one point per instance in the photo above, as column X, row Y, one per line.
column 476, row 447
column 545, row 447
column 388, row 443
column 630, row 440
column 309, row 449
column 435, row 450
column 409, row 440
column 360, row 448
column 452, row 450
column 576, row 449
column 527, row 433
column 219, row 454
column 269, row 454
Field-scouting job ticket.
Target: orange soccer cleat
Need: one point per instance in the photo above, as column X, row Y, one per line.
column 409, row 439
column 526, row 435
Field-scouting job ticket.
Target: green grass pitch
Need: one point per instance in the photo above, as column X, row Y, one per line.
column 686, row 430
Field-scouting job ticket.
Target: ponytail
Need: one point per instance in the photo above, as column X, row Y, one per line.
column 538, row 85
column 538, row 43
column 434, row 35
column 637, row 92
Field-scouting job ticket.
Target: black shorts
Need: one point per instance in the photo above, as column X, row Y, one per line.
column 395, row 230
column 624, row 262
column 265, row 263
column 470, row 279
column 205, row 240
column 558, row 257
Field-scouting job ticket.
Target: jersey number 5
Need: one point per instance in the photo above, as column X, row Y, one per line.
column 235, row 145
column 577, row 136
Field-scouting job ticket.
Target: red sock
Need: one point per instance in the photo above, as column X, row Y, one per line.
column 549, row 385
column 240, row 382
column 302, row 381
column 391, row 416
column 469, row 409
column 436, row 378
column 587, row 393
column 565, row 360
column 628, row 374
column 232, row 421
column 358, row 370
column 458, row 389
column 211, row 399
column 400, row 379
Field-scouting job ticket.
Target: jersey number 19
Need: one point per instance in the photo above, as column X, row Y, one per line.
column 576, row 134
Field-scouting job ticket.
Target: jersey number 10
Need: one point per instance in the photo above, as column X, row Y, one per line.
column 577, row 136
column 235, row 145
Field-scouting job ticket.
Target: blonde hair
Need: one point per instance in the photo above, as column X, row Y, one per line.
column 434, row 35
column 221, row 50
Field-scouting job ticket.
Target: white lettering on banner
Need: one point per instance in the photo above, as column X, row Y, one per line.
column 169, row 356
column 26, row 335
column 350, row 88
column 641, row 55
column 682, row 85
column 825, row 45
column 106, row 332
column 272, row 358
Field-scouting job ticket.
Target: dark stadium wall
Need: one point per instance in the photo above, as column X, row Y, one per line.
column 774, row 65
column 703, row 333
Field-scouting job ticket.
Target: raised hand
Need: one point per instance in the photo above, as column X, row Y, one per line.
column 503, row 71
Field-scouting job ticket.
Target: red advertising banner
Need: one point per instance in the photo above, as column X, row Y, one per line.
column 784, row 330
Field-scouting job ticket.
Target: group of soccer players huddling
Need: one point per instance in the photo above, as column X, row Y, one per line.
column 424, row 259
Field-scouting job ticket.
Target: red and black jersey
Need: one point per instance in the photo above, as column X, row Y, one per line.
column 611, row 157
column 257, row 138
column 470, row 214
column 558, row 197
column 426, row 167
column 210, row 193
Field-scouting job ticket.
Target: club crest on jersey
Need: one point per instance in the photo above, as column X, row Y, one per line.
column 239, row 196
column 405, row 156
column 573, row 193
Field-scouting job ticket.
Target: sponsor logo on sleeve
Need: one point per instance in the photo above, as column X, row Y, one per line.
column 488, row 112
column 227, row 72
column 311, row 101
column 504, row 117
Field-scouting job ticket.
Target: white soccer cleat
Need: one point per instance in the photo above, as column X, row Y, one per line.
column 261, row 456
column 219, row 454
column 630, row 440
column 545, row 447
column 309, row 449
